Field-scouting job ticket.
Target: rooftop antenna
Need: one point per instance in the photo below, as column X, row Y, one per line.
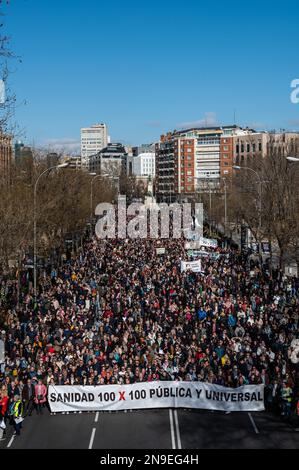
column 234, row 116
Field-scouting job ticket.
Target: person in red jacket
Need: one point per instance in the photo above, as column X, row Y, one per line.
column 3, row 411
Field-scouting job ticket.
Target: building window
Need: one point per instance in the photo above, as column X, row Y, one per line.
column 248, row 148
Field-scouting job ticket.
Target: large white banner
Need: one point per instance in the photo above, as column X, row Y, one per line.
column 150, row 395
column 194, row 266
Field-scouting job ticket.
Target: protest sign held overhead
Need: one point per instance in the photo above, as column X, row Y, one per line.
column 194, row 266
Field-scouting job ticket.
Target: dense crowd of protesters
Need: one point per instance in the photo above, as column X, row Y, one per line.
column 119, row 313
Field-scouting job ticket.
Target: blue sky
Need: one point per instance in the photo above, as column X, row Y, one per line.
column 148, row 67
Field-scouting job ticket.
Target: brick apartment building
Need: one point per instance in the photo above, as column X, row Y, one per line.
column 197, row 158
column 188, row 159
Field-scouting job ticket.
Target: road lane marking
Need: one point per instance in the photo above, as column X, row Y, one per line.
column 253, row 423
column 92, row 438
column 178, row 434
column 97, row 417
column 10, row 442
column 172, row 429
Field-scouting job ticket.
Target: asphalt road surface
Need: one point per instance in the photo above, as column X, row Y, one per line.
column 158, row 429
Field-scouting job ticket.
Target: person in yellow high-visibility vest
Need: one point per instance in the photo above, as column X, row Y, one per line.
column 16, row 412
column 286, row 395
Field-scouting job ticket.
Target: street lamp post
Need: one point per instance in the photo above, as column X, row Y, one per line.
column 64, row 165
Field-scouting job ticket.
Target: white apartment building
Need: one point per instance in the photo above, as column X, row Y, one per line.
column 144, row 165
column 93, row 140
column 207, row 156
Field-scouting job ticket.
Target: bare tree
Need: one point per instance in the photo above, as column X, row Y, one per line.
column 280, row 196
column 281, row 201
column 132, row 187
column 7, row 96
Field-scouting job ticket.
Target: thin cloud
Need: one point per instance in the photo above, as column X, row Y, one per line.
column 208, row 120
column 63, row 145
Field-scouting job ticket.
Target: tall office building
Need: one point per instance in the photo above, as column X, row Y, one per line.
column 93, row 140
